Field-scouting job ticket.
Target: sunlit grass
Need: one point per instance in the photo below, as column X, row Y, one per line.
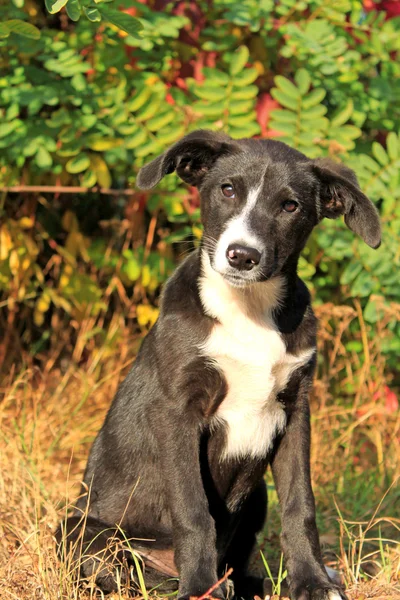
column 49, row 418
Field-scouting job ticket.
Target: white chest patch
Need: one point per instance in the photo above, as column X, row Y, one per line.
column 249, row 350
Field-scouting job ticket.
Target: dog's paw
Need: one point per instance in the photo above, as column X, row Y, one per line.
column 327, row 594
column 334, row 576
column 228, row 589
column 321, row 593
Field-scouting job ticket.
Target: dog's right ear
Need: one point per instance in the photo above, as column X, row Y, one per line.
column 191, row 158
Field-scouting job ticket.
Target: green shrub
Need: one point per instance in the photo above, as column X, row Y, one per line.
column 94, row 90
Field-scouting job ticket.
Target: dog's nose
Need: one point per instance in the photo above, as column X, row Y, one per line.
column 242, row 258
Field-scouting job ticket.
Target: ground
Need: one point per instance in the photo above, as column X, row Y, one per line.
column 50, row 415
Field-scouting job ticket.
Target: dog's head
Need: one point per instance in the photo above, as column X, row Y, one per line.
column 260, row 200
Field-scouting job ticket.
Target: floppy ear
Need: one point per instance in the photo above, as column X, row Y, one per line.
column 191, row 158
column 340, row 194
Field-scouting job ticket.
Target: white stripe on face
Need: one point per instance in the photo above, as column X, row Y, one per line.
column 237, row 231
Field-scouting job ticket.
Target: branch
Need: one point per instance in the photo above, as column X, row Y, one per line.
column 59, row 189
column 208, row 593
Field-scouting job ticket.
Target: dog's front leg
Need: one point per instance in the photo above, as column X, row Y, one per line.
column 308, row 579
column 193, row 527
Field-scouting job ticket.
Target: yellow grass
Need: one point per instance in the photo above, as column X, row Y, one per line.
column 49, row 417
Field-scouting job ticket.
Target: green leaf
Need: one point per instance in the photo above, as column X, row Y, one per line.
column 245, row 77
column 284, row 127
column 100, row 168
column 210, row 92
column 54, row 7
column 239, row 60
column 150, row 109
column 21, row 28
column 303, row 80
column 215, row 75
column 100, row 144
column 4, row 31
column 313, row 98
column 136, row 140
column 70, row 148
column 369, row 163
column 92, row 14
column 315, row 112
column 170, row 134
column 246, row 93
column 380, row 154
column 246, row 130
column 370, row 312
column 132, row 268
column 78, row 163
column 284, row 99
column 392, row 146
column 350, row 272
column 306, row 138
column 73, row 9
column 210, row 110
column 139, row 99
column 43, row 158
column 284, row 116
column 151, row 147
column 287, row 87
column 242, row 119
column 239, row 107
column 78, row 82
column 343, row 115
column 7, row 128
column 160, row 121
column 89, row 179
column 363, row 285
column 122, row 20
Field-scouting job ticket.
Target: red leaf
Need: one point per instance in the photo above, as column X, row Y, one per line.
column 265, row 105
column 211, row 59
column 130, row 11
column 391, row 7
column 169, row 99
column 181, row 83
column 377, row 395
column 391, row 400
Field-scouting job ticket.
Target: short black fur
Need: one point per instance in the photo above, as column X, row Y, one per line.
column 155, row 468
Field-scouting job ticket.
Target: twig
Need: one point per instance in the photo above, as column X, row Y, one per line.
column 66, row 189
column 208, row 593
column 150, row 237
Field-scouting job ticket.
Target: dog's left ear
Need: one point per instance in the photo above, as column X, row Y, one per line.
column 191, row 157
column 340, row 194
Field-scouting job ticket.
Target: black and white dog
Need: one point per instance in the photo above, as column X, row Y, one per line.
column 219, row 389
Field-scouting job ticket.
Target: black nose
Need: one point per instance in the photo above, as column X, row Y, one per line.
column 242, row 258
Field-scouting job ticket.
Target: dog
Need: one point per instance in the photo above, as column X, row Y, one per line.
column 220, row 386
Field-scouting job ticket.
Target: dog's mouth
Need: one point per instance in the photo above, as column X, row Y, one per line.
column 236, row 280
column 239, row 279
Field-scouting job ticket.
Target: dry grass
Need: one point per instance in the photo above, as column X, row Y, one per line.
column 48, row 419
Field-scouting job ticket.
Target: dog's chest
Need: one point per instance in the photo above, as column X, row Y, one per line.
column 246, row 346
column 256, row 366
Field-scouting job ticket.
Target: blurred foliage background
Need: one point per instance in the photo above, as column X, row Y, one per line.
column 90, row 91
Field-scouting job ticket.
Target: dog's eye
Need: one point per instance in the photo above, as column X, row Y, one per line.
column 290, row 206
column 228, row 190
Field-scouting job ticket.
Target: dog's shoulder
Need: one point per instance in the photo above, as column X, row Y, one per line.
column 182, row 324
column 181, row 294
